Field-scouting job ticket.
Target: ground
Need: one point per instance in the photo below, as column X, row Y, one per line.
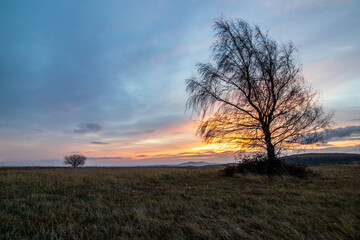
column 177, row 203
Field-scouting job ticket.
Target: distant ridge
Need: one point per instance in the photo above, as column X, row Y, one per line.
column 196, row 164
column 316, row 159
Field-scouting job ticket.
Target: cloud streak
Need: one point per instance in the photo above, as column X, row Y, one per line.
column 99, row 143
column 88, row 128
column 329, row 134
column 342, row 132
column 39, row 130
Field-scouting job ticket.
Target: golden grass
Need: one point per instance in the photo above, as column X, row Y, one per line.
column 177, row 203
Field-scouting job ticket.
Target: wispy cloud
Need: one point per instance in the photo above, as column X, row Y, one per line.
column 149, row 131
column 301, row 4
column 39, row 130
column 135, row 132
column 342, row 132
column 99, row 143
column 108, row 158
column 330, row 134
column 88, row 128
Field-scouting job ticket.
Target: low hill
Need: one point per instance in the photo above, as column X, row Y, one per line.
column 316, row 159
column 196, row 164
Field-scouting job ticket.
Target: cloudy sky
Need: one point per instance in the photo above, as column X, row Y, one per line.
column 107, row 78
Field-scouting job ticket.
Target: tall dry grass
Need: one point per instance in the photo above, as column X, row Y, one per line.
column 177, row 203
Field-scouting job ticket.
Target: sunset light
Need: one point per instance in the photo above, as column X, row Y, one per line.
column 107, row 80
column 184, row 119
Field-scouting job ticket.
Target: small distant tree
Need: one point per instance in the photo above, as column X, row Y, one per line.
column 75, row 160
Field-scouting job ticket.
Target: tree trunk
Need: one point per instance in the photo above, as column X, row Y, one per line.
column 274, row 165
column 269, row 146
column 271, row 152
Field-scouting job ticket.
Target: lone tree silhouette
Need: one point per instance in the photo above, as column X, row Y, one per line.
column 254, row 96
column 75, row 160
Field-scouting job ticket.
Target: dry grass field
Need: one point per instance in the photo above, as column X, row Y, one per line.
column 177, row 203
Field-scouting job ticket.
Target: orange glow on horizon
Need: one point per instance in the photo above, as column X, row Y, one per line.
column 345, row 143
column 178, row 141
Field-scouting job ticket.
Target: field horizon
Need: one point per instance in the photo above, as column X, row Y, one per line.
column 308, row 159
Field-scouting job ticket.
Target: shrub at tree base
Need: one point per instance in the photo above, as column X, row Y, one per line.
column 263, row 166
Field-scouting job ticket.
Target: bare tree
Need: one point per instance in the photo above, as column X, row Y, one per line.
column 254, row 96
column 75, row 160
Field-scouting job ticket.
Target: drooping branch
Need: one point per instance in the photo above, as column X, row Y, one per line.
column 253, row 94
